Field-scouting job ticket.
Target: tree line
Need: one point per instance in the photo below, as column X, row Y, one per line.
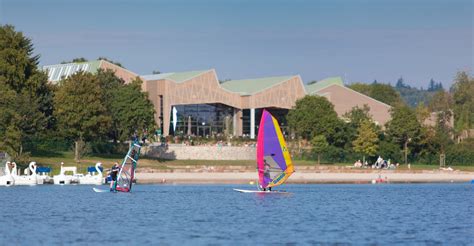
column 99, row 107
column 82, row 108
column 405, row 138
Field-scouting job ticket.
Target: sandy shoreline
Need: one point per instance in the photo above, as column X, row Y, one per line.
column 304, row 177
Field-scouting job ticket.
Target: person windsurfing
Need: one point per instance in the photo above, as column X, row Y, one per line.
column 266, row 173
column 113, row 175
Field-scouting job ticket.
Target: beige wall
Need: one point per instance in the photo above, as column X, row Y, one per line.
column 283, row 95
column 205, row 88
column 181, row 152
column 201, row 89
column 344, row 99
column 120, row 72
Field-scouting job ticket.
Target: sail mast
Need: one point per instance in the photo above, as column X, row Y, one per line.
column 126, row 174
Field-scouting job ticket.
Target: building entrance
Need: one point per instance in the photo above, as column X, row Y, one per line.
column 201, row 119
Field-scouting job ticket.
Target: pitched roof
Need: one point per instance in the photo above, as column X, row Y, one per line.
column 58, row 71
column 315, row 87
column 252, row 86
column 176, row 77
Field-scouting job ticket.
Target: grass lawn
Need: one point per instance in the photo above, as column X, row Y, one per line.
column 54, row 160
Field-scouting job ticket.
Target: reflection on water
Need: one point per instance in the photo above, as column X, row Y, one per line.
column 215, row 214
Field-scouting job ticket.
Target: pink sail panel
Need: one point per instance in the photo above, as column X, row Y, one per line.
column 273, row 159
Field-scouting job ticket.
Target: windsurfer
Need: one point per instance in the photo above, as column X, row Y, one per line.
column 266, row 173
column 113, row 175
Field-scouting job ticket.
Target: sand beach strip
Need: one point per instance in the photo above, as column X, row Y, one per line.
column 307, row 177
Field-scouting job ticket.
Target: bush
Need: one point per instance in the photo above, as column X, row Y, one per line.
column 461, row 154
column 47, row 145
column 389, row 150
column 109, row 148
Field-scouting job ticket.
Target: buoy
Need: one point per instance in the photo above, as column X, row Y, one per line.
column 251, row 182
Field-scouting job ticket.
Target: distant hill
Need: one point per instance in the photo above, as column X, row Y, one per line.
column 389, row 94
column 413, row 96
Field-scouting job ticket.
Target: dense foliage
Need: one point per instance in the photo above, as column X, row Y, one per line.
column 381, row 92
column 366, row 141
column 83, row 108
column 26, row 98
column 407, row 133
column 315, row 115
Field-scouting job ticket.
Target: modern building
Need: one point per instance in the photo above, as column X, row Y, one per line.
column 62, row 71
column 196, row 102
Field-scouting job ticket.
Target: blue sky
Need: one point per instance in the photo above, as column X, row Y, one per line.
column 360, row 40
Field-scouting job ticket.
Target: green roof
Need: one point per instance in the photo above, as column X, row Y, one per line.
column 176, row 77
column 59, row 71
column 315, row 87
column 252, row 86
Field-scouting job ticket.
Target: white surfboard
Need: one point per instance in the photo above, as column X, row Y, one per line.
column 100, row 190
column 262, row 192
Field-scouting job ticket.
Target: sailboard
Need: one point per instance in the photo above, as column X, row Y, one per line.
column 274, row 163
column 99, row 190
column 262, row 191
column 127, row 169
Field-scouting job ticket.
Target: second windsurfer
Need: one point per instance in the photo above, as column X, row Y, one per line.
column 113, row 175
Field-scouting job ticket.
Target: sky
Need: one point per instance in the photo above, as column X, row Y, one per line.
column 359, row 40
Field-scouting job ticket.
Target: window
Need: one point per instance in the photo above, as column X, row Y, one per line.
column 202, row 119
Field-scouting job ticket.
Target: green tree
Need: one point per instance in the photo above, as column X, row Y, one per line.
column 442, row 104
column 422, row 112
column 381, row 92
column 26, row 98
column 312, row 116
column 366, row 141
column 401, row 83
column 75, row 60
column 385, row 93
column 111, row 61
column 354, row 119
column 80, row 110
column 404, row 127
column 362, row 88
column 131, row 110
column 357, row 115
column 463, row 98
column 109, row 84
column 320, row 144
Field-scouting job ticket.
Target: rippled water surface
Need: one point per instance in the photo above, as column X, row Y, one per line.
column 215, row 214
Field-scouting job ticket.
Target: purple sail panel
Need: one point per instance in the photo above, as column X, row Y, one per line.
column 272, row 146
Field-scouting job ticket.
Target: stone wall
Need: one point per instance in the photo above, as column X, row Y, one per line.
column 183, row 152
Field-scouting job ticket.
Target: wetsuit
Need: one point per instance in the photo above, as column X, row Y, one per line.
column 114, row 172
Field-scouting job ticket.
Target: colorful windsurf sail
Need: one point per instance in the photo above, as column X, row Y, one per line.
column 127, row 170
column 273, row 159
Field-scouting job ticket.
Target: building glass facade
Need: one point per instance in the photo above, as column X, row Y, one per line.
column 279, row 114
column 202, row 119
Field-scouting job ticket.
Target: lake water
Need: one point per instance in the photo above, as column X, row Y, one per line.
column 215, row 214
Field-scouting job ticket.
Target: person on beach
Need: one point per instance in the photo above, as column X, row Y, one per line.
column 358, row 163
column 113, row 175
